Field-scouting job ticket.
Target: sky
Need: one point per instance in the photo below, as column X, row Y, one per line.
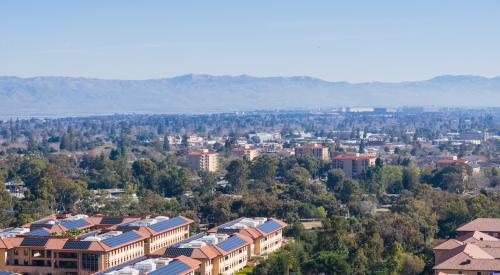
column 350, row 40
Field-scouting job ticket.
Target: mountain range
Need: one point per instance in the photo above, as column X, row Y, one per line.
column 39, row 96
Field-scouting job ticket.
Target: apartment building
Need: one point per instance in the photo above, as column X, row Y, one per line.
column 204, row 160
column 318, row 151
column 78, row 244
column 472, row 253
column 353, row 165
column 248, row 152
column 217, row 253
column 181, row 265
column 266, row 233
column 490, row 226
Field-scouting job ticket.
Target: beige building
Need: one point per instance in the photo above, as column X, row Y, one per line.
column 474, row 253
column 203, row 161
column 46, row 247
column 316, row 150
column 249, row 152
column 353, row 165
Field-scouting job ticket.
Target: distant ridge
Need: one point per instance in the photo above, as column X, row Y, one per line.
column 206, row 93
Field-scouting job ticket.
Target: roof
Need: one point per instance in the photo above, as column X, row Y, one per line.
column 346, row 157
column 468, row 257
column 270, row 226
column 202, row 153
column 481, row 224
column 476, row 236
column 449, row 161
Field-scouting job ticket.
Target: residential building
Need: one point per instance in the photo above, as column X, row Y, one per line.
column 443, row 163
column 318, row 151
column 79, row 244
column 473, row 253
column 266, row 233
column 204, row 160
column 249, row 152
column 181, row 265
column 353, row 165
column 490, row 226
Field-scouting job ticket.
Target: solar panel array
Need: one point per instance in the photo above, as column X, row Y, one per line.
column 38, row 232
column 121, row 239
column 40, row 225
column 72, row 244
column 163, row 225
column 120, row 266
column 178, row 251
column 269, row 226
column 111, row 220
column 173, row 268
column 75, row 224
column 34, row 241
column 231, row 243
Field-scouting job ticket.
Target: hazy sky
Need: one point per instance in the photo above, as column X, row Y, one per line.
column 333, row 40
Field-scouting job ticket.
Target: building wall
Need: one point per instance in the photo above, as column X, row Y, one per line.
column 233, row 261
column 270, row 243
column 124, row 254
column 353, row 168
column 167, row 238
column 203, row 162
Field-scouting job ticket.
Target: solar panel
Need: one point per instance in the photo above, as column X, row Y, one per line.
column 120, row 266
column 38, row 232
column 178, row 251
column 75, row 224
column 231, row 243
column 163, row 225
column 40, row 225
column 73, row 244
column 121, row 239
column 111, row 220
column 34, row 241
column 269, row 226
column 173, row 268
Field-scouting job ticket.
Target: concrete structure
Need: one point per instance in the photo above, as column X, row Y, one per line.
column 79, row 244
column 316, row 150
column 249, row 152
column 353, row 165
column 204, row 160
column 472, row 252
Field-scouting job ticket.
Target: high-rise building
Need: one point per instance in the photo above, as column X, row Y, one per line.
column 204, row 160
column 353, row 165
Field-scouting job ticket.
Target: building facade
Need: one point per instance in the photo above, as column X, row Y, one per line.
column 318, row 151
column 353, row 165
column 203, row 161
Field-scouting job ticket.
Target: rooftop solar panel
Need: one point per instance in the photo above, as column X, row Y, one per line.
column 269, row 226
column 111, row 220
column 173, row 268
column 38, row 232
column 34, row 241
column 72, row 244
column 178, row 251
column 120, row 266
column 228, row 224
column 231, row 243
column 121, row 239
column 170, row 223
column 75, row 224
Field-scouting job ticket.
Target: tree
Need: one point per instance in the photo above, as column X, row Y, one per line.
column 144, row 171
column 263, row 168
column 335, row 177
column 237, row 174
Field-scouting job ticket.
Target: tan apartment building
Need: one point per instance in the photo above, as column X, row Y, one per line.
column 217, row 253
column 353, row 165
column 266, row 233
column 248, row 152
column 43, row 247
column 203, row 161
column 318, row 151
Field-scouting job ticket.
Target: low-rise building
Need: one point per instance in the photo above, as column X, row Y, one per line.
column 318, row 151
column 79, row 244
column 353, row 165
column 204, row 160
